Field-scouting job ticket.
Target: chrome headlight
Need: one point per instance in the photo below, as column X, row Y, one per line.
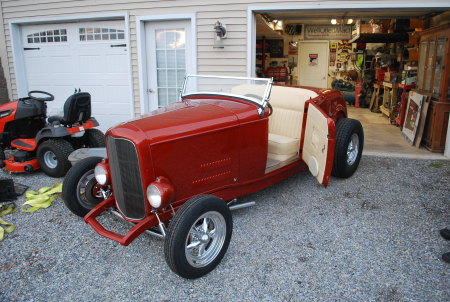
column 154, row 196
column 101, row 176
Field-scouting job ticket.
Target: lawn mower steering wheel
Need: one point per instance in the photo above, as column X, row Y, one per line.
column 49, row 97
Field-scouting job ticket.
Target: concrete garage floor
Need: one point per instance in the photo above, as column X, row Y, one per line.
column 383, row 139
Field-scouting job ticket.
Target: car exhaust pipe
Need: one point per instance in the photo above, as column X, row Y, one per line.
column 241, row 205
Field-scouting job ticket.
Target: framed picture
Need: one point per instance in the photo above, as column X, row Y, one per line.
column 338, row 65
column 413, row 115
column 333, row 45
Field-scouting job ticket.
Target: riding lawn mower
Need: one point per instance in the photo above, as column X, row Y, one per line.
column 35, row 141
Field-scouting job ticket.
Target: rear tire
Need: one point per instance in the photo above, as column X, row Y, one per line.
column 78, row 187
column 348, row 148
column 198, row 236
column 96, row 138
column 53, row 157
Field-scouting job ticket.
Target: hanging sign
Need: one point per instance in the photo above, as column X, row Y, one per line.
column 328, row 32
column 313, row 57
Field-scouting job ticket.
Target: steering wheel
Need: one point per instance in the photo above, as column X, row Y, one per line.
column 49, row 97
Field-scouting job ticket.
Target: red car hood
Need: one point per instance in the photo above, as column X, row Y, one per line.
column 175, row 121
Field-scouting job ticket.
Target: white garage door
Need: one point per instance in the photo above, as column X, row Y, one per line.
column 60, row 58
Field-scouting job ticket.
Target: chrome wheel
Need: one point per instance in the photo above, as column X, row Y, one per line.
column 86, row 193
column 50, row 159
column 353, row 149
column 205, row 239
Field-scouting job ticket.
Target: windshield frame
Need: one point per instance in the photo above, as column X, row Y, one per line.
column 261, row 103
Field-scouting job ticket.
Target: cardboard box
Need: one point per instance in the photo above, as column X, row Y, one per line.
column 365, row 29
column 416, row 23
column 390, row 76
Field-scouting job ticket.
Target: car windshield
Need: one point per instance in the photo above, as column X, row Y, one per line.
column 256, row 90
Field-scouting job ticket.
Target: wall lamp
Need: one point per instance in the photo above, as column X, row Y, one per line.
column 221, row 31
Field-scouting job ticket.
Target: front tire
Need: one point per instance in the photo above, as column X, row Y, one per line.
column 53, row 157
column 198, row 236
column 79, row 187
column 348, row 148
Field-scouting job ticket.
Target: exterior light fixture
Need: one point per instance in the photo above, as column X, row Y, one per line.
column 349, row 21
column 220, row 30
column 333, row 21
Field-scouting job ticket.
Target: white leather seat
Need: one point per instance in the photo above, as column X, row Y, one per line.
column 279, row 144
column 285, row 123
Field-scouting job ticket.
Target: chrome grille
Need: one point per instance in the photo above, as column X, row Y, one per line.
column 126, row 177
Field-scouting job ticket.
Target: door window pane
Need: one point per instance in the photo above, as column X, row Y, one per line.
column 438, row 67
column 172, row 93
column 172, row 78
column 49, row 36
column 171, row 39
column 170, row 64
column 429, row 68
column 181, row 57
column 180, row 75
column 423, row 53
column 160, row 39
column 162, row 78
column 98, row 33
column 161, row 59
column 162, row 97
column 171, row 58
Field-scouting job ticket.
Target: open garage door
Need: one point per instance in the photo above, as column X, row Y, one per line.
column 92, row 56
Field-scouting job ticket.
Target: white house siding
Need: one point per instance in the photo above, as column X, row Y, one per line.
column 232, row 60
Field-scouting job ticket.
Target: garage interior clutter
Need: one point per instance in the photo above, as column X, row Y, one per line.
column 391, row 63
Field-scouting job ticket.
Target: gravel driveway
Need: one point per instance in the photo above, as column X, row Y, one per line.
column 373, row 237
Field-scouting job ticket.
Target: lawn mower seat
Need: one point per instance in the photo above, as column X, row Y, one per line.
column 77, row 109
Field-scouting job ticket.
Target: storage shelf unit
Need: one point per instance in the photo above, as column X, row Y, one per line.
column 389, row 100
column 434, row 77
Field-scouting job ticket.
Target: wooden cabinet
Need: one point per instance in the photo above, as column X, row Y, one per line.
column 434, row 77
column 436, row 126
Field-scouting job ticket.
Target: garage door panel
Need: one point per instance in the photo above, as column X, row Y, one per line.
column 118, row 94
column 104, row 78
column 107, row 121
column 118, row 109
column 49, row 68
column 61, row 64
column 115, row 65
column 92, row 65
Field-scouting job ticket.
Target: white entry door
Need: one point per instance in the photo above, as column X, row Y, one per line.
column 169, row 59
column 92, row 56
column 313, row 64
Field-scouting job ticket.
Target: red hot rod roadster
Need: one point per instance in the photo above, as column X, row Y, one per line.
column 176, row 172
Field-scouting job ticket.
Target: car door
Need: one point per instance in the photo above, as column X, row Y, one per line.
column 318, row 142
